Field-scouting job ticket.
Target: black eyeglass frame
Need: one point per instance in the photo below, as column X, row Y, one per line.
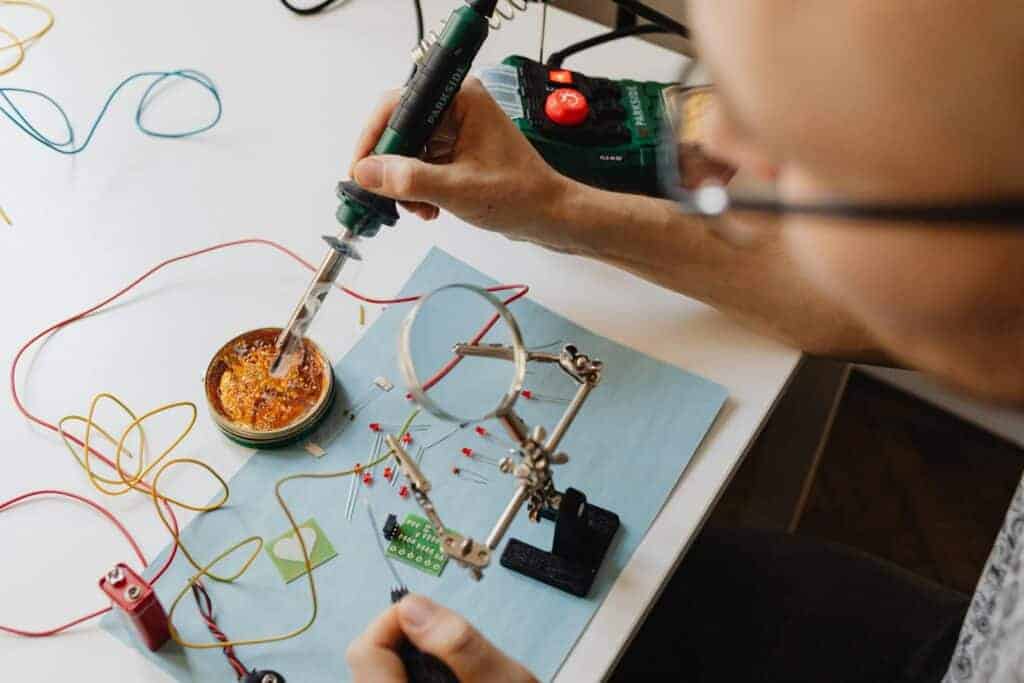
column 713, row 200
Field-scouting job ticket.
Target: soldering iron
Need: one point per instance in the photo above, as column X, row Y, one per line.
column 610, row 146
column 442, row 65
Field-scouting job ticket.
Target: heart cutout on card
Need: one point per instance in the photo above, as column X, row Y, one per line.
column 288, row 548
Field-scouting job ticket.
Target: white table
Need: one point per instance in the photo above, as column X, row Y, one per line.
column 296, row 92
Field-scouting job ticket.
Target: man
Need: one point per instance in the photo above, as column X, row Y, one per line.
column 865, row 104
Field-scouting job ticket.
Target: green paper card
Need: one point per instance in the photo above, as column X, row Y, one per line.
column 417, row 545
column 286, row 552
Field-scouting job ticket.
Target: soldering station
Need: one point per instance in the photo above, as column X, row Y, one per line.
column 274, row 388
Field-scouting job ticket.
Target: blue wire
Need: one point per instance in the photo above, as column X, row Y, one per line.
column 67, row 146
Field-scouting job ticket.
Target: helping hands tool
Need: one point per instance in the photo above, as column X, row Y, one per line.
column 443, row 61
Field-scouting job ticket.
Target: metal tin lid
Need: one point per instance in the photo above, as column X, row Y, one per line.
column 280, row 411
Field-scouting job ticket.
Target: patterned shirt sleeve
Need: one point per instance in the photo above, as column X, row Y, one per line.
column 991, row 644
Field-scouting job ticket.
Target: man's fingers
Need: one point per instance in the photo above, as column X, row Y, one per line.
column 450, row 638
column 375, row 126
column 427, row 212
column 405, row 178
column 371, row 656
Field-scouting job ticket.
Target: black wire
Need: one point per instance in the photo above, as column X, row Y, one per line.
column 654, row 16
column 556, row 58
column 418, row 8
column 305, row 11
column 324, row 4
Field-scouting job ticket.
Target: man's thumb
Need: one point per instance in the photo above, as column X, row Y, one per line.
column 404, row 178
column 450, row 638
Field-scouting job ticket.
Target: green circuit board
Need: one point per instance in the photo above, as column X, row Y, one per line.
column 418, row 545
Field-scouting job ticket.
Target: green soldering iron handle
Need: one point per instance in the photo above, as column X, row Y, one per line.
column 425, row 100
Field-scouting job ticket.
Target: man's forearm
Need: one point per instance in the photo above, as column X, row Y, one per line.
column 758, row 284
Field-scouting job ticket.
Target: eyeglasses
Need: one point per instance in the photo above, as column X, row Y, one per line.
column 732, row 199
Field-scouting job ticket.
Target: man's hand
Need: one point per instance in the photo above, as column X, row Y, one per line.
column 434, row 630
column 479, row 167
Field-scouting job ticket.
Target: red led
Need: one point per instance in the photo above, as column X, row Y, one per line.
column 560, row 76
column 468, row 452
column 403, row 491
column 526, row 393
column 407, row 439
column 375, row 426
column 388, row 473
column 408, row 397
column 481, row 431
column 368, row 478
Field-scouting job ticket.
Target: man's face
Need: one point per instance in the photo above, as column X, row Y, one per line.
column 867, row 102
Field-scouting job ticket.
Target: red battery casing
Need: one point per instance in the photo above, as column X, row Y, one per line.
column 136, row 600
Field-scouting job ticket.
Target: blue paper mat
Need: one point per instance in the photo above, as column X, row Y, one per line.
column 636, row 434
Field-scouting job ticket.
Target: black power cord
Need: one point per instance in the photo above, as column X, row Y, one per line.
column 312, row 9
column 629, row 10
column 556, row 58
column 418, row 9
column 324, row 4
column 654, row 16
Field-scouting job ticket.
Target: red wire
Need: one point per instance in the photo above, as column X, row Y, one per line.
column 437, row 377
column 103, row 511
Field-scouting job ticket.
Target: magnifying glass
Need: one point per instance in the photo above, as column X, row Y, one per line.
column 478, row 386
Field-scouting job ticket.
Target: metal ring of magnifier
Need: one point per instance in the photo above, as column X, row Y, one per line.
column 408, row 367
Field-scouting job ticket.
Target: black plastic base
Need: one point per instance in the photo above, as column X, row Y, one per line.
column 583, row 534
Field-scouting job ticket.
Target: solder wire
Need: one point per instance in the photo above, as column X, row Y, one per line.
column 521, row 291
column 18, row 43
column 205, row 571
column 134, row 481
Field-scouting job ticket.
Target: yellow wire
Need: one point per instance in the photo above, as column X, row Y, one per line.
column 20, row 46
column 305, row 557
column 18, row 43
column 136, row 482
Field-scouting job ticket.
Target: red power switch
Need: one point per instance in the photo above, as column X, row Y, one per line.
column 567, row 107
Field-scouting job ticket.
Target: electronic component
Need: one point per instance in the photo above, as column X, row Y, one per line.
column 132, row 597
column 530, row 395
column 484, row 433
column 601, row 132
column 353, row 491
column 470, row 475
column 416, row 545
column 391, row 528
column 479, row 457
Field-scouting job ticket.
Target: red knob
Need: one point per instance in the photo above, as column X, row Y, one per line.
column 567, row 107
